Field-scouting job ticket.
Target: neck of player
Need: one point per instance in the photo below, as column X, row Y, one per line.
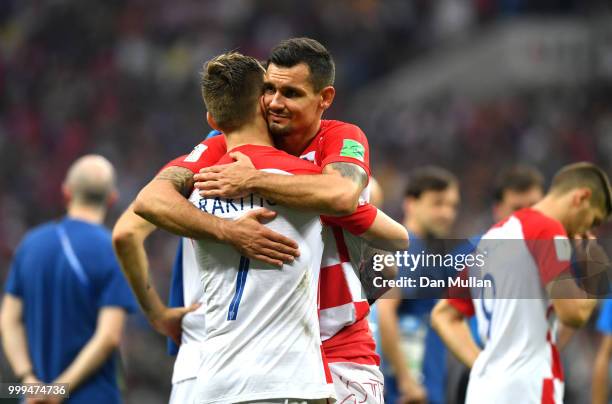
column 86, row 213
column 255, row 133
column 553, row 207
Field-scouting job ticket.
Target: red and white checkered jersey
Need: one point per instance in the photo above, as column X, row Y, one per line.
column 343, row 307
column 520, row 361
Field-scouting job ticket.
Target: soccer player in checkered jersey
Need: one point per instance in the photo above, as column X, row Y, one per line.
column 529, row 262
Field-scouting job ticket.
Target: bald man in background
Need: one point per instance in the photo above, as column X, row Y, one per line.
column 66, row 298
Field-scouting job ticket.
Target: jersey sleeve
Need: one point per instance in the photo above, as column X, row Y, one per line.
column 115, row 290
column 356, row 223
column 604, row 321
column 205, row 154
column 463, row 304
column 345, row 143
column 551, row 251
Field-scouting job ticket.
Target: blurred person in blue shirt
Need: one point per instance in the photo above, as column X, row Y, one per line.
column 414, row 357
column 66, row 300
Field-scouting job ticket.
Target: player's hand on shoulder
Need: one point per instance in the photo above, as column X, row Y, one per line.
column 167, row 321
column 228, row 180
column 254, row 240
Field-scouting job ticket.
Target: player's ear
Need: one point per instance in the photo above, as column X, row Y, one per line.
column 327, row 97
column 582, row 196
column 211, row 121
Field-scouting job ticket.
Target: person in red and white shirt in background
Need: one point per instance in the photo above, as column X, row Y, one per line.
column 531, row 280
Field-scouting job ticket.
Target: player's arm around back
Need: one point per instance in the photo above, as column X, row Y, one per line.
column 129, row 235
column 164, row 203
column 333, row 192
column 386, row 234
column 453, row 329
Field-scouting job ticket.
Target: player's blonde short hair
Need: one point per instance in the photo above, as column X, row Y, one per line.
column 231, row 85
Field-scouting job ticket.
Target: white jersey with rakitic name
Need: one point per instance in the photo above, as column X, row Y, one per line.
column 262, row 332
column 520, row 362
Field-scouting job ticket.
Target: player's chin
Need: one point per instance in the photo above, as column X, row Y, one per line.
column 278, row 129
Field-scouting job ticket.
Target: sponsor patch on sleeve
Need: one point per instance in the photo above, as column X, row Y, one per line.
column 352, row 148
column 196, row 153
column 563, row 248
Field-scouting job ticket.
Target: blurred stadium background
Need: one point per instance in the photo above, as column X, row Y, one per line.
column 471, row 85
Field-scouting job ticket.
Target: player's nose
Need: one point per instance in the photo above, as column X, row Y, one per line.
column 276, row 102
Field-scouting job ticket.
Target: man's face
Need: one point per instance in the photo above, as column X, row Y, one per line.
column 515, row 200
column 436, row 211
column 290, row 103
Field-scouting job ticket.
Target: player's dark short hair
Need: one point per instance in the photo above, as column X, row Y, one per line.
column 588, row 175
column 291, row 52
column 518, row 178
column 231, row 85
column 429, row 178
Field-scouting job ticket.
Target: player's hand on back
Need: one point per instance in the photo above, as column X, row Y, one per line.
column 167, row 321
column 228, row 180
column 254, row 240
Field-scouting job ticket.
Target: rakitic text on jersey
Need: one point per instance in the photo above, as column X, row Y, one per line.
column 220, row 205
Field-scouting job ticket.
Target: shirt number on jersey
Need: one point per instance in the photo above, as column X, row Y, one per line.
column 243, row 270
column 488, row 311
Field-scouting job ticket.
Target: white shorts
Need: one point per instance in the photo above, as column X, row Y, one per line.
column 355, row 383
column 183, row 392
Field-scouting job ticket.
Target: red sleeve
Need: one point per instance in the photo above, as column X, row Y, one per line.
column 463, row 305
column 356, row 223
column 344, row 143
column 205, row 154
column 548, row 244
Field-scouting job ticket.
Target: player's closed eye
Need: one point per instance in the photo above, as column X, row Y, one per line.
column 290, row 93
column 269, row 89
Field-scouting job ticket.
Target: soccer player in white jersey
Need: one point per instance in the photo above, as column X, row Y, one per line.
column 528, row 261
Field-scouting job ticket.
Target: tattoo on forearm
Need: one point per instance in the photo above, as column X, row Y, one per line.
column 181, row 178
column 352, row 172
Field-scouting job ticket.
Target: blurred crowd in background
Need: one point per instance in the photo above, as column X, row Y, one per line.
column 120, row 78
